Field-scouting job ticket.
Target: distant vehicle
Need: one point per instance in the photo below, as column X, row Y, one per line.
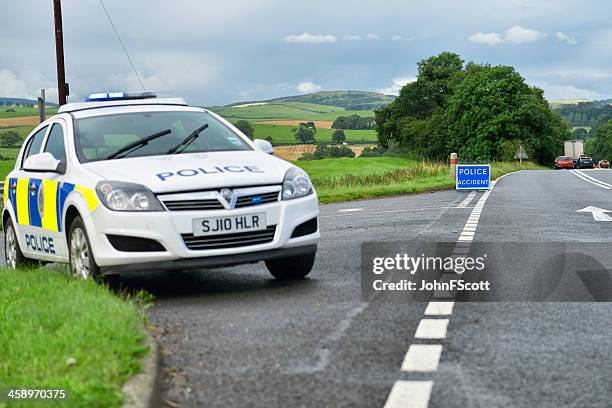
column 564, row 162
column 573, row 149
column 604, row 164
column 585, row 162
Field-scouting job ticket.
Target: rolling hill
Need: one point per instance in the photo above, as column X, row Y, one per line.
column 349, row 100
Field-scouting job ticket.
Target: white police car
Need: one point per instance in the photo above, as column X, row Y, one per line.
column 131, row 182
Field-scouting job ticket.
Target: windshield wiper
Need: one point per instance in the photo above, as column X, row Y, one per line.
column 188, row 140
column 136, row 145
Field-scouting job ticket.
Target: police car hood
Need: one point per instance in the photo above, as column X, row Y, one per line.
column 195, row 171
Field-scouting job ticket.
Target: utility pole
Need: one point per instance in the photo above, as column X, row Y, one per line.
column 62, row 86
column 41, row 106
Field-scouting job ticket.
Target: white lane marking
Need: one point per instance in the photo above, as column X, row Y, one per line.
column 345, row 210
column 599, row 214
column 409, row 394
column 595, row 182
column 439, row 308
column 422, row 358
column 467, row 200
column 594, row 179
column 431, row 329
column 361, row 213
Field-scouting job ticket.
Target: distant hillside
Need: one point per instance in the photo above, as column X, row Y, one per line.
column 21, row 101
column 349, row 100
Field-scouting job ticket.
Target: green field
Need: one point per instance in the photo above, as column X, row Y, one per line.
column 283, row 134
column 286, row 111
column 63, row 333
column 23, row 111
column 370, row 177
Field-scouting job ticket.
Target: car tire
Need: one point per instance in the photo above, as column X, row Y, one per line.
column 13, row 256
column 294, row 267
column 82, row 264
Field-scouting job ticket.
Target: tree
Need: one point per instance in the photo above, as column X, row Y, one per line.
column 493, row 105
column 245, row 127
column 10, row 139
column 338, row 136
column 580, row 133
column 601, row 145
column 309, row 125
column 421, row 98
column 304, row 134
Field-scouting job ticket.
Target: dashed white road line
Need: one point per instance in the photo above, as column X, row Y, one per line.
column 409, row 394
column 431, row 329
column 439, row 308
column 346, row 210
column 426, row 357
column 591, row 180
column 422, row 358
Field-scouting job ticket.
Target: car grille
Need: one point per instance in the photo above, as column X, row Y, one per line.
column 257, row 199
column 212, row 200
column 194, row 205
column 239, row 239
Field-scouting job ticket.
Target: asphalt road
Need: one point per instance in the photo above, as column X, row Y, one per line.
column 234, row 337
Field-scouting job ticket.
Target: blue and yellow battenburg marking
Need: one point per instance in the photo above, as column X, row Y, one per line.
column 24, row 195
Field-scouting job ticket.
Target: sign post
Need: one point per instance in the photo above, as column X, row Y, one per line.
column 473, row 176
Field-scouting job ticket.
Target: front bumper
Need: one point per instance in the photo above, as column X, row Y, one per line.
column 166, row 228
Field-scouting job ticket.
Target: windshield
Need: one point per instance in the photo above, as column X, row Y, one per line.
column 99, row 137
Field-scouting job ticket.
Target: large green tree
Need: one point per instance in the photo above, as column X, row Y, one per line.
column 482, row 112
column 492, row 108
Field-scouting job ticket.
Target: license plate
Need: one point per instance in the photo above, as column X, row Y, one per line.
column 229, row 225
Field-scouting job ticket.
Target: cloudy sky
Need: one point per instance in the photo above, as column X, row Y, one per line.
column 214, row 52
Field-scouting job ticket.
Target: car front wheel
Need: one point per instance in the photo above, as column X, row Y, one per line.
column 82, row 263
column 294, row 267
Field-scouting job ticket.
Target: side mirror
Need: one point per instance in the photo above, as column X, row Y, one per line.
column 42, row 162
column 264, row 146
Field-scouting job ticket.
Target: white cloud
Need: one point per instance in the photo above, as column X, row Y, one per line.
column 372, row 36
column 485, row 38
column 514, row 35
column 396, row 85
column 309, row 87
column 13, row 87
column 520, row 35
column 564, row 92
column 565, row 38
column 310, row 38
column 352, row 37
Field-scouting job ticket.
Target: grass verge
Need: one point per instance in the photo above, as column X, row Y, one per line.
column 361, row 178
column 57, row 332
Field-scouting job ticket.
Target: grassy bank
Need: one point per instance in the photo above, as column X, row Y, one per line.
column 360, row 178
column 62, row 333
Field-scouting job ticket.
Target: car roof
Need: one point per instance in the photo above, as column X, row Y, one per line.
column 139, row 108
column 80, row 106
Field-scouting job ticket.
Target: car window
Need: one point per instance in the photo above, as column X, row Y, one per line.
column 55, row 143
column 34, row 144
column 99, row 136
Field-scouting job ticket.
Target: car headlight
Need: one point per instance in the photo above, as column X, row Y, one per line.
column 296, row 184
column 123, row 196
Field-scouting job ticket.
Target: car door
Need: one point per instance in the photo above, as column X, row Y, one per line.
column 37, row 196
column 19, row 193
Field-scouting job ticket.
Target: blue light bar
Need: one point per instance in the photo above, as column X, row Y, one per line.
column 119, row 96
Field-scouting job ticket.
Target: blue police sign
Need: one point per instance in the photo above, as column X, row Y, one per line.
column 473, row 176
